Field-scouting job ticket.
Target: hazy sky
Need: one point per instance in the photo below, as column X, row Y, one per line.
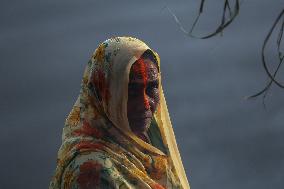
column 225, row 141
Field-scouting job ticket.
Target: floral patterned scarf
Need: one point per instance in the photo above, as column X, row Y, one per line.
column 98, row 148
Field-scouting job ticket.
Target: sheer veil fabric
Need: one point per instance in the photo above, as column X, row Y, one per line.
column 98, row 147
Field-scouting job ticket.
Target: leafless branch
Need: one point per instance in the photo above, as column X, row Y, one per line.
column 272, row 77
column 228, row 15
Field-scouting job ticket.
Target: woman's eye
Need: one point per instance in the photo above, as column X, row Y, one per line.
column 132, row 87
column 133, row 90
column 153, row 86
column 152, row 89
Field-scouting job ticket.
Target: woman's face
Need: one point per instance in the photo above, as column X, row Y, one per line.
column 143, row 94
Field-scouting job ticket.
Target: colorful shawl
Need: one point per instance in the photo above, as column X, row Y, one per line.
column 98, row 148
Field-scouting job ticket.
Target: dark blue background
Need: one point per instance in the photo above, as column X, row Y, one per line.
column 225, row 141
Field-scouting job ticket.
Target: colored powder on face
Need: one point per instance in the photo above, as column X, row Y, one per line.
column 140, row 69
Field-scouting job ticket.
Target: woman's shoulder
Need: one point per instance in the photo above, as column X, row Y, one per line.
column 92, row 170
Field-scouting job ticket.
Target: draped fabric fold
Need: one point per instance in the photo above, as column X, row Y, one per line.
column 98, row 149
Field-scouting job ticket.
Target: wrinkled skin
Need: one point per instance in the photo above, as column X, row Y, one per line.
column 143, row 95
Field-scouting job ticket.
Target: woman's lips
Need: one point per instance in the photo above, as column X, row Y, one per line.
column 141, row 116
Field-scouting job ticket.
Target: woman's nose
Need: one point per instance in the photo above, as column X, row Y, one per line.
column 142, row 102
column 146, row 101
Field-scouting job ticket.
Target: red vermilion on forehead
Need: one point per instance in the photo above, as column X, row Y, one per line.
column 139, row 68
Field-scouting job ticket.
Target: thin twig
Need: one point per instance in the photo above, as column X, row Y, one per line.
column 225, row 20
column 280, row 56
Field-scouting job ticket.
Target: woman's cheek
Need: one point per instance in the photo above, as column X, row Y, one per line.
column 155, row 101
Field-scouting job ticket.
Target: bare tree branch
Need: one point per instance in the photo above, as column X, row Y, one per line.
column 280, row 54
column 228, row 15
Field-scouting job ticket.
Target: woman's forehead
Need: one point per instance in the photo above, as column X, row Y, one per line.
column 143, row 69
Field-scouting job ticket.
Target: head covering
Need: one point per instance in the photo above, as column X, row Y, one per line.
column 98, row 123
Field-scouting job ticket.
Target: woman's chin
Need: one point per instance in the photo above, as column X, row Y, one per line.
column 139, row 125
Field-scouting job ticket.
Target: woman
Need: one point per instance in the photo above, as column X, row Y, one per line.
column 119, row 134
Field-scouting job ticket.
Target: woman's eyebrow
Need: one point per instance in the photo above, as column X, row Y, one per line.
column 155, row 81
column 141, row 82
